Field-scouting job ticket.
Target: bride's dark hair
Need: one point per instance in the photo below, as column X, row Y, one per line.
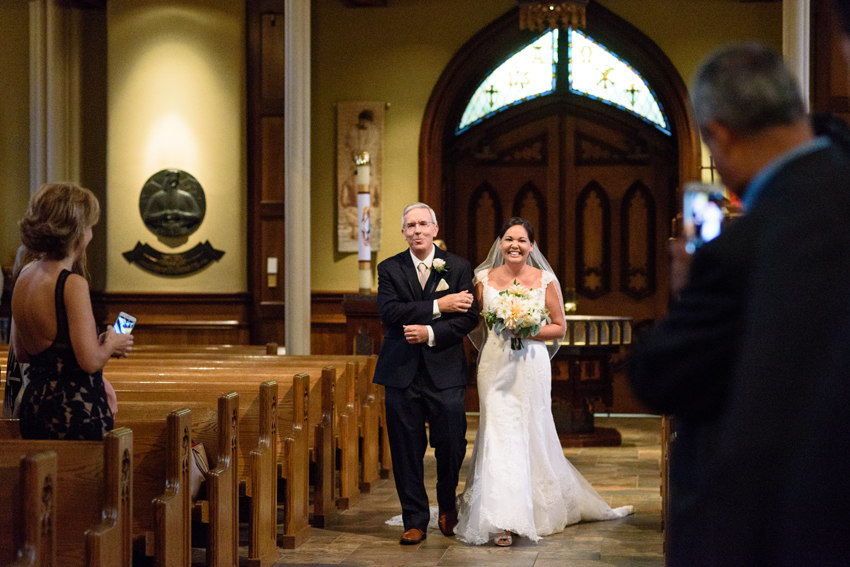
column 518, row 221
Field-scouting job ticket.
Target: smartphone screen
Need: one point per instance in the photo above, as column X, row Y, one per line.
column 704, row 210
column 124, row 323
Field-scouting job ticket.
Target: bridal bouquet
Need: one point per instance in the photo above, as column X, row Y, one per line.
column 517, row 310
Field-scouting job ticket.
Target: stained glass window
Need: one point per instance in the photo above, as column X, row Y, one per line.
column 527, row 74
column 594, row 71
column 598, row 73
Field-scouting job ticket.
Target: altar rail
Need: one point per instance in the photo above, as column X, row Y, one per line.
column 590, row 330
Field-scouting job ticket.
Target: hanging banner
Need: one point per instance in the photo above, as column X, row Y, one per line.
column 360, row 128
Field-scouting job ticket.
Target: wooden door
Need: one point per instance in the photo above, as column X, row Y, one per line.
column 597, row 191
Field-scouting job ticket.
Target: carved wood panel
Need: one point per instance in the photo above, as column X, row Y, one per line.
column 485, row 219
column 637, row 274
column 530, row 203
column 593, row 241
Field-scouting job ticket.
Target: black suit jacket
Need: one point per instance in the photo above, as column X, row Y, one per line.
column 402, row 301
column 754, row 363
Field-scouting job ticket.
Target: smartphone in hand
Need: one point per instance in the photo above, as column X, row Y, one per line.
column 124, row 323
column 704, row 210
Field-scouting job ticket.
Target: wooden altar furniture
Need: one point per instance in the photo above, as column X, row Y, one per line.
column 582, row 375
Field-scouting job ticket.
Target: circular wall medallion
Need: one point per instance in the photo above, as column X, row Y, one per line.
column 172, row 203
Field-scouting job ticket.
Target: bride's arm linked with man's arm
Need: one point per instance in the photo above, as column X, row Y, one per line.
column 457, row 307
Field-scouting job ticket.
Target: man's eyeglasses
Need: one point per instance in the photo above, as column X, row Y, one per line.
column 411, row 226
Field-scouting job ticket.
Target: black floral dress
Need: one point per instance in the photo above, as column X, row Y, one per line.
column 62, row 401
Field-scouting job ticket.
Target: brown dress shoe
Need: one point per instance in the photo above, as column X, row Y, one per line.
column 413, row 536
column 447, row 522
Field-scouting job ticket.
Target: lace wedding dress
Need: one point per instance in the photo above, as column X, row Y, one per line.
column 519, row 479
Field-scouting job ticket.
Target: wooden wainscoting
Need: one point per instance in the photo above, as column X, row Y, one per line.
column 327, row 324
column 217, row 318
column 179, row 318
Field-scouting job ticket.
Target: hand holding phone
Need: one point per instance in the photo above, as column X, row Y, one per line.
column 704, row 209
column 124, row 323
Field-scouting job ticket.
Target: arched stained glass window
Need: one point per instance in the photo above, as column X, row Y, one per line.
column 593, row 71
column 598, row 73
column 527, row 74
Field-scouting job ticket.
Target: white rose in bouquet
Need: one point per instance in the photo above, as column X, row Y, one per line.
column 516, row 310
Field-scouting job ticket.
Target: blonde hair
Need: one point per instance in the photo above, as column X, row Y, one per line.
column 57, row 218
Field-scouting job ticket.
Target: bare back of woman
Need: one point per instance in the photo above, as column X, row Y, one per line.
column 34, row 308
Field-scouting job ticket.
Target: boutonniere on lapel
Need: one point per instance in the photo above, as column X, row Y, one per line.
column 439, row 265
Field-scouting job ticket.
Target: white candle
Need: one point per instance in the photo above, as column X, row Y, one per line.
column 364, row 223
column 363, row 175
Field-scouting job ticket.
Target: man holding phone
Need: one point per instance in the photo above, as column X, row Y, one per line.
column 752, row 359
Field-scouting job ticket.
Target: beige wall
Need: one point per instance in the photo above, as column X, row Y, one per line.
column 688, row 31
column 176, row 99
column 14, row 124
column 396, row 54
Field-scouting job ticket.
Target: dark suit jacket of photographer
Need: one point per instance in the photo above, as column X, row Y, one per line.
column 754, row 363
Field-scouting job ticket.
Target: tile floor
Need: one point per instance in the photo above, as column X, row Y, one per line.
column 628, row 474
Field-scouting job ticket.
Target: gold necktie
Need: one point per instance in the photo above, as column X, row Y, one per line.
column 423, row 274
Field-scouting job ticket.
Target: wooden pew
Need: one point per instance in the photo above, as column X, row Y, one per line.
column 25, row 537
column 176, row 373
column 89, row 507
column 259, row 470
column 348, row 438
column 255, row 350
column 162, row 503
column 367, row 405
column 369, row 395
column 324, row 453
column 256, row 451
column 296, row 449
column 217, row 428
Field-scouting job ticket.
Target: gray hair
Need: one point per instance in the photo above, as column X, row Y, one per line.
column 747, row 88
column 409, row 208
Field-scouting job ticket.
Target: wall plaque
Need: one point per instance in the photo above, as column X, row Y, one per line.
column 166, row 264
column 172, row 205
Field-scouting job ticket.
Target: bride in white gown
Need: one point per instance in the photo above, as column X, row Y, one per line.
column 519, row 480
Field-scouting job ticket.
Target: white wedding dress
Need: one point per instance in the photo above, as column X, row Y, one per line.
column 519, row 478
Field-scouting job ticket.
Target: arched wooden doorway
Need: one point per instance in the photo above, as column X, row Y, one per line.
column 600, row 184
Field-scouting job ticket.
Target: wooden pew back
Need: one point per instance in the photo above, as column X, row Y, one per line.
column 217, row 427
column 25, row 534
column 92, row 498
column 162, row 519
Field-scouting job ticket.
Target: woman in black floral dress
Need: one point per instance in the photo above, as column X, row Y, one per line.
column 53, row 327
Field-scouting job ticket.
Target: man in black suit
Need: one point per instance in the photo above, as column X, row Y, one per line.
column 753, row 359
column 426, row 303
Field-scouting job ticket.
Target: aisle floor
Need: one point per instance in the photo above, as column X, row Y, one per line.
column 628, row 474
